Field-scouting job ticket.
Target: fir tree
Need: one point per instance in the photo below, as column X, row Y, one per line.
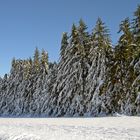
column 64, row 44
column 120, row 68
column 124, row 52
column 100, row 35
column 30, row 61
column 83, row 39
column 96, row 81
column 82, row 26
column 74, row 34
column 126, row 49
column 36, row 59
column 136, row 32
column 44, row 60
column 136, row 24
column 13, row 62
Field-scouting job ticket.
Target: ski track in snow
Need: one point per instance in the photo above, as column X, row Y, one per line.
column 106, row 128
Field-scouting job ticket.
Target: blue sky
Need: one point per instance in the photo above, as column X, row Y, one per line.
column 25, row 24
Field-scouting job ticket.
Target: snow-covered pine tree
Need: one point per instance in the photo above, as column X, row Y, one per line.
column 24, row 91
column 36, row 60
column 69, row 87
column 44, row 61
column 49, row 95
column 64, row 44
column 96, row 80
column 123, row 58
column 136, row 25
column 136, row 62
column 91, row 78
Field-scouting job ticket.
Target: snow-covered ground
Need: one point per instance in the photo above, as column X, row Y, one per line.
column 106, row 128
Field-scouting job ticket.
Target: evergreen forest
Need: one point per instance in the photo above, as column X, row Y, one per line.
column 92, row 77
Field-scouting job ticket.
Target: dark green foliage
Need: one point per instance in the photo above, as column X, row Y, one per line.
column 101, row 35
column 13, row 62
column 136, row 24
column 84, row 38
column 36, row 59
column 136, row 31
column 91, row 77
column 74, row 34
column 82, row 26
column 64, row 44
column 125, row 48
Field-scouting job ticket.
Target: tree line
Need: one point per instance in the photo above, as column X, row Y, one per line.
column 92, row 77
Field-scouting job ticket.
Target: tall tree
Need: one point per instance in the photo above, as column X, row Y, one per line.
column 96, row 85
column 136, row 31
column 74, row 34
column 101, row 36
column 36, row 59
column 83, row 38
column 122, row 71
column 136, row 24
column 13, row 62
column 44, row 60
column 82, row 26
column 125, row 49
column 64, row 44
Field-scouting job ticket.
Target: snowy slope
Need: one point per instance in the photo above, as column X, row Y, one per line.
column 107, row 128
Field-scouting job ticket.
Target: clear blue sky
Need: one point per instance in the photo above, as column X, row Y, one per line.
column 25, row 24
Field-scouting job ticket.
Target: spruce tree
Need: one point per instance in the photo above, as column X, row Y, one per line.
column 136, row 32
column 74, row 34
column 44, row 60
column 13, row 62
column 126, row 48
column 124, row 52
column 136, row 24
column 64, row 44
column 83, row 38
column 82, row 26
column 101, row 36
column 96, row 85
column 122, row 71
column 36, row 60
column 83, row 49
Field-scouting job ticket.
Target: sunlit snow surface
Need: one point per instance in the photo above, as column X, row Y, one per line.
column 106, row 128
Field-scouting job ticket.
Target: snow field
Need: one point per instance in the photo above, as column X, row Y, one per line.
column 106, row 128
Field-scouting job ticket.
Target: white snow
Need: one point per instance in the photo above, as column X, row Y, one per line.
column 106, row 128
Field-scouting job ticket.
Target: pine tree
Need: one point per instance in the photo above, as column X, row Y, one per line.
column 50, row 96
column 36, row 60
column 30, row 61
column 136, row 24
column 27, row 68
column 120, row 72
column 96, row 81
column 64, row 44
column 101, row 36
column 74, row 34
column 136, row 32
column 83, row 39
column 13, row 62
column 82, row 26
column 44, row 60
column 83, row 49
column 70, row 73
column 125, row 48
